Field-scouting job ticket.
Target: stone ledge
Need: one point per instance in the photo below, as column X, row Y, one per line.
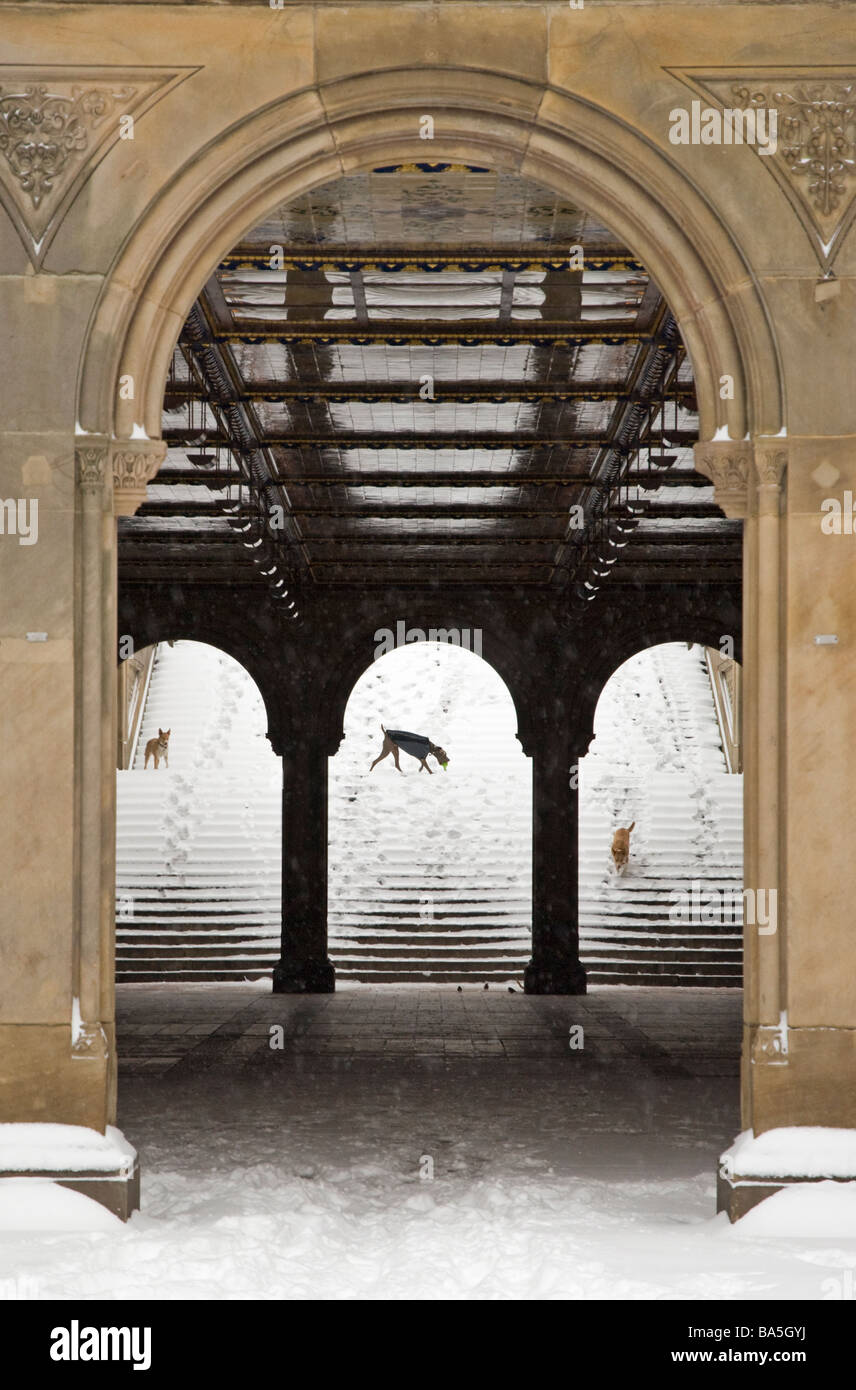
column 737, row 1195
column 118, row 1191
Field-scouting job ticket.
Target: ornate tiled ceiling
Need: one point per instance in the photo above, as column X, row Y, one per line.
column 417, row 368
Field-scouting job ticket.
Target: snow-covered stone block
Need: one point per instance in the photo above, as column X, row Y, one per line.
column 101, row 1166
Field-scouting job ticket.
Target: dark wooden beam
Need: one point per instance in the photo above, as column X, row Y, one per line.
column 405, row 393
column 567, row 478
column 472, row 259
column 436, row 479
column 436, row 334
column 665, row 511
column 182, row 439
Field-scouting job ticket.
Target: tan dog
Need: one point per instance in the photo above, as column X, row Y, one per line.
column 158, row 748
column 621, row 847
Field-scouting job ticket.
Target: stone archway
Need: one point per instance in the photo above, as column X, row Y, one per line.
column 289, row 146
column 565, row 143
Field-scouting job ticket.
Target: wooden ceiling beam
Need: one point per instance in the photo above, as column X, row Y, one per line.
column 407, row 393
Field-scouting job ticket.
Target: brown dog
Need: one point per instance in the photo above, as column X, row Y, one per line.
column 621, row 847
column 417, row 745
column 158, row 748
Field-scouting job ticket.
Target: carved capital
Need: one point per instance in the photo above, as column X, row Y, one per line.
column 771, row 461
column 728, row 464
column 283, row 736
column 542, row 730
column 135, row 463
column 91, row 468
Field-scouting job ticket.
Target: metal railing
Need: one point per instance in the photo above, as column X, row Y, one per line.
column 726, row 679
column 134, row 677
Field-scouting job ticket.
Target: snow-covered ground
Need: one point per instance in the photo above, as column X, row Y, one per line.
column 261, row 1214
column 548, row 1173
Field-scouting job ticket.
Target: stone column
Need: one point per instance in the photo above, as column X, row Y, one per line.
column 58, row 702
column 748, row 481
column 799, row 1041
column 815, row 1083
column 92, row 1039
column 555, row 965
column 766, row 1004
column 304, row 966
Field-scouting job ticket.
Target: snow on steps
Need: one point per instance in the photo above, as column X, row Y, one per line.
column 429, row 877
column 198, row 881
column 656, row 759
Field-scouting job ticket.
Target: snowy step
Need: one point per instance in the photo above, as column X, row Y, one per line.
column 427, row 880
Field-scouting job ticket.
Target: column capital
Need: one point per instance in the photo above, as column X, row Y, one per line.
column 132, row 463
column 91, row 467
column 135, row 462
column 284, row 738
column 771, row 461
column 728, row 464
column 550, row 725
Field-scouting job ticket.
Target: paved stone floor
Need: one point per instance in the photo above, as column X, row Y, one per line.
column 482, row 1080
column 174, row 1028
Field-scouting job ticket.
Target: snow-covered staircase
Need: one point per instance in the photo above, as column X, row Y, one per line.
column 198, row 874
column 429, row 876
column 656, row 759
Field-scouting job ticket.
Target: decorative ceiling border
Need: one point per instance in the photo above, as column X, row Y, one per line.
column 815, row 158
column 56, row 125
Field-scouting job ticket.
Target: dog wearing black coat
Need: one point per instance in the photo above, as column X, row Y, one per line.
column 417, row 745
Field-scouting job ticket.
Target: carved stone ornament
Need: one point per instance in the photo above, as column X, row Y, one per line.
column 135, row 463
column 770, row 465
column 727, row 463
column 56, row 125
column 815, row 157
column 91, row 467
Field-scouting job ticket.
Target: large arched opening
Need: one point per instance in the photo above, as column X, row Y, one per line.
column 665, row 761
column 198, row 820
column 578, row 152
column 570, row 146
column 430, row 876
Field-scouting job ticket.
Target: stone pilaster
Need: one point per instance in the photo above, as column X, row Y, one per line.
column 91, row 946
column 765, row 1006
